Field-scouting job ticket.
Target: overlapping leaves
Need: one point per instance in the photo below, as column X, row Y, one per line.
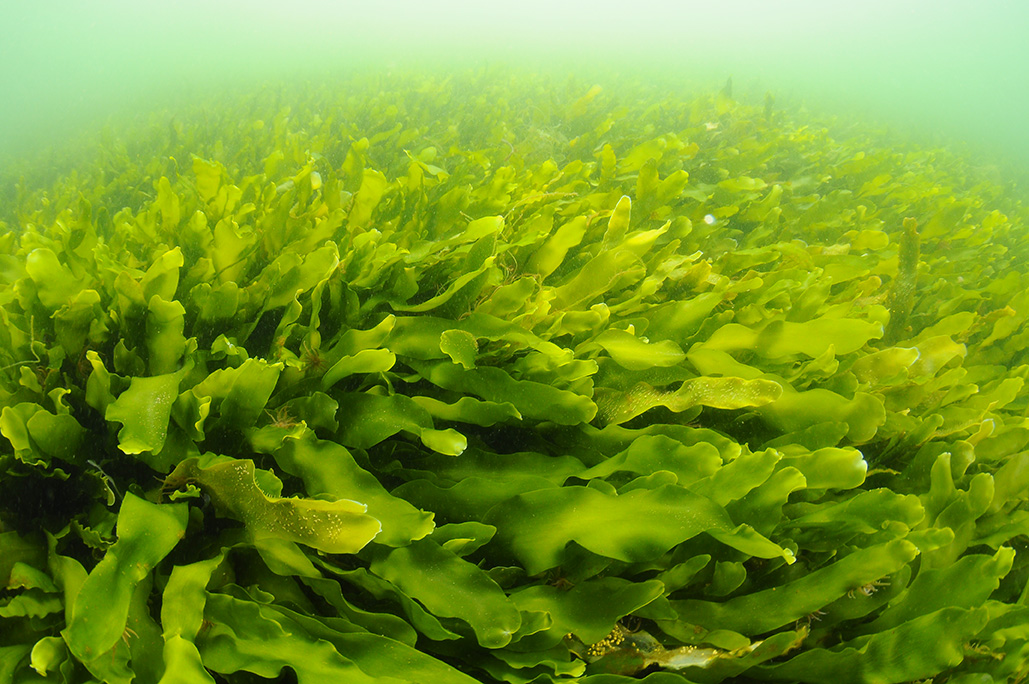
column 425, row 384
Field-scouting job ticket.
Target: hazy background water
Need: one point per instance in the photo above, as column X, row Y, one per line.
column 955, row 73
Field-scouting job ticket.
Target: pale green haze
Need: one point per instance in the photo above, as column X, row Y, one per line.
column 950, row 72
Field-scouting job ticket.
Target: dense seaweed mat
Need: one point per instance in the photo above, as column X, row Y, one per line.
column 500, row 379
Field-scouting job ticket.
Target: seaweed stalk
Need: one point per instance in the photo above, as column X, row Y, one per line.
column 902, row 293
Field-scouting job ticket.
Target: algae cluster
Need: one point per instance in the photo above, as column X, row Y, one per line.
column 497, row 379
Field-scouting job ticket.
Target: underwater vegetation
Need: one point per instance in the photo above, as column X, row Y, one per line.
column 495, row 379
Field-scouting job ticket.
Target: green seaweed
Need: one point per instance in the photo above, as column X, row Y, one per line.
column 340, row 526
column 902, row 293
column 146, row 534
column 488, row 377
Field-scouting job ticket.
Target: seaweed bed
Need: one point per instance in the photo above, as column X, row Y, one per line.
column 409, row 380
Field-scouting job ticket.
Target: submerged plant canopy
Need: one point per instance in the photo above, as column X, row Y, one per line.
column 497, row 379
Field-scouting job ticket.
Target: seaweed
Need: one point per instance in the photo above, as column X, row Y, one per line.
column 491, row 378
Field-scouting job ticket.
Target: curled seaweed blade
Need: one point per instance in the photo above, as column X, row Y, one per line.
column 340, row 526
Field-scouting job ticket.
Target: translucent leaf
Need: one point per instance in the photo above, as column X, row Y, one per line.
column 742, row 184
column 618, row 223
column 182, row 603
column 373, row 185
column 55, row 283
column 48, row 654
column 245, row 635
column 451, row 587
column 12, row 659
column 883, row 367
column 552, row 253
column 603, row 270
column 418, row 617
column 162, row 278
column 373, row 418
column 208, row 176
column 228, row 249
column 33, row 603
column 240, row 394
column 460, row 346
column 723, row 393
column 386, row 659
column 765, row 610
column 635, row 527
column 463, row 538
column 165, row 342
column 98, row 385
column 74, row 321
column 470, row 280
column 830, row 467
column 965, row 584
column 469, row 410
column 784, row 338
column 795, row 411
column 146, row 534
column 24, row 576
column 650, row 453
column 589, row 610
column 144, row 410
column 635, row 354
column 913, row 651
column 183, row 663
column 296, row 275
column 328, row 468
column 364, row 361
column 531, row 399
column 332, row 526
column 215, row 301
column 868, row 512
